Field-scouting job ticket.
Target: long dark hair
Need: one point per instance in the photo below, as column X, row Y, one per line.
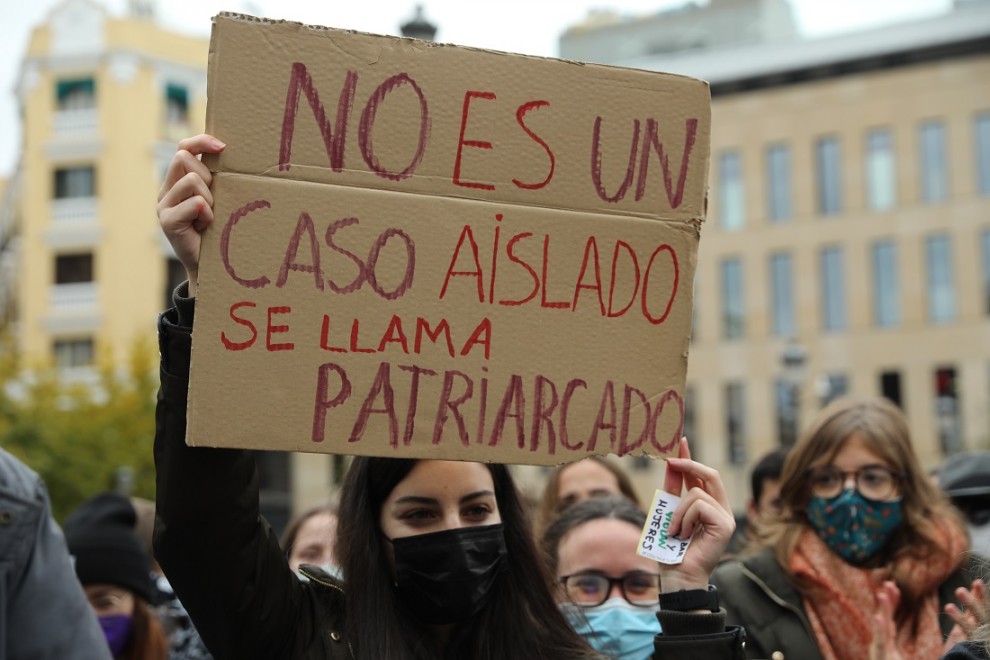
column 520, row 619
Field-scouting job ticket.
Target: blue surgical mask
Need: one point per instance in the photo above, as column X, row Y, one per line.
column 853, row 527
column 616, row 628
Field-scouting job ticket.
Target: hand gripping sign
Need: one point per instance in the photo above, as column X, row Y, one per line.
column 431, row 251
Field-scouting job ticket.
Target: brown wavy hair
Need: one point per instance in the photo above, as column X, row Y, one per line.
column 925, row 509
column 148, row 638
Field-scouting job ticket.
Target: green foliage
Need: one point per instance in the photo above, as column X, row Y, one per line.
column 77, row 436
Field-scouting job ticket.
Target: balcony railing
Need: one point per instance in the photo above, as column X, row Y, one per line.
column 77, row 299
column 74, row 212
column 76, row 122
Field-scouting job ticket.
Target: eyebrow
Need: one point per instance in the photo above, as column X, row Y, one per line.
column 417, row 499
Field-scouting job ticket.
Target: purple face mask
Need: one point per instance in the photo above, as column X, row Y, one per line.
column 117, row 630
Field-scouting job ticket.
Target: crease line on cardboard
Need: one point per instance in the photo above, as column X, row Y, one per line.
column 692, row 222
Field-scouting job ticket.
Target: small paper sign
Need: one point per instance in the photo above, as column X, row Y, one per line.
column 655, row 544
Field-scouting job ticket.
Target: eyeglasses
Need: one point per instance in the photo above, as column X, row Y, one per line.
column 591, row 588
column 874, row 482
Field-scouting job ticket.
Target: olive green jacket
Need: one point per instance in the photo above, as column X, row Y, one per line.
column 757, row 594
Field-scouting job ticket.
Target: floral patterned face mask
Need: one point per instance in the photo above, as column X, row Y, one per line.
column 853, row 527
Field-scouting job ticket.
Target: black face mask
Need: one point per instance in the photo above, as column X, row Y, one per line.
column 446, row 577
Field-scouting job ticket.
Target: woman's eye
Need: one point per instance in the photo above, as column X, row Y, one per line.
column 418, row 515
column 477, row 511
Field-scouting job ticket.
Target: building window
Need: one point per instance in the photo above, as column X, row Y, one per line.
column 982, row 130
column 275, row 487
column 786, row 407
column 781, row 295
column 829, row 170
column 830, row 387
column 732, row 200
column 779, row 182
column 694, row 307
column 941, row 290
column 175, row 274
column 985, row 240
column 833, row 289
column 735, row 420
column 881, row 189
column 733, row 308
column 70, row 353
column 948, row 416
column 886, row 294
column 78, row 94
column 176, row 104
column 934, row 173
column 72, row 182
column 690, row 429
column 890, row 387
column 74, row 268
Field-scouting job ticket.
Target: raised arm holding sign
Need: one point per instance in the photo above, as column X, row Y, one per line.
column 403, row 513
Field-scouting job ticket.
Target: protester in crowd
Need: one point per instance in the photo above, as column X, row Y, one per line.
column 43, row 610
column 857, row 510
column 575, row 482
column 965, row 478
column 438, row 555
column 309, row 537
column 113, row 570
column 763, row 502
column 608, row 592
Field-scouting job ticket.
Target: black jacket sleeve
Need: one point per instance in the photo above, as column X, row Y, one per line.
column 221, row 557
column 690, row 635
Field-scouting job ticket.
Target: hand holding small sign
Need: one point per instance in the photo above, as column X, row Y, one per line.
column 688, row 534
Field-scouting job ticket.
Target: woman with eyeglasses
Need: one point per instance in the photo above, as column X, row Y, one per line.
column 608, row 592
column 437, row 557
column 612, row 596
column 858, row 515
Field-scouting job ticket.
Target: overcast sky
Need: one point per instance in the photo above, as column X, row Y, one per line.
column 522, row 26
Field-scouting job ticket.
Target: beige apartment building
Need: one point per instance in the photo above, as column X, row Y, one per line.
column 847, row 247
column 848, row 229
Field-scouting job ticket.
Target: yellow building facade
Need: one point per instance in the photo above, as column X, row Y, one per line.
column 103, row 101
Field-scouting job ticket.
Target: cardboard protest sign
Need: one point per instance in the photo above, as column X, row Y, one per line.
column 432, row 251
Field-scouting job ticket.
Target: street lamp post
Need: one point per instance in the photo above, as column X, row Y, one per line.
column 793, row 360
column 418, row 27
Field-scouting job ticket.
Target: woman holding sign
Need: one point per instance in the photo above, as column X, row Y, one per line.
column 437, row 556
column 859, row 517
